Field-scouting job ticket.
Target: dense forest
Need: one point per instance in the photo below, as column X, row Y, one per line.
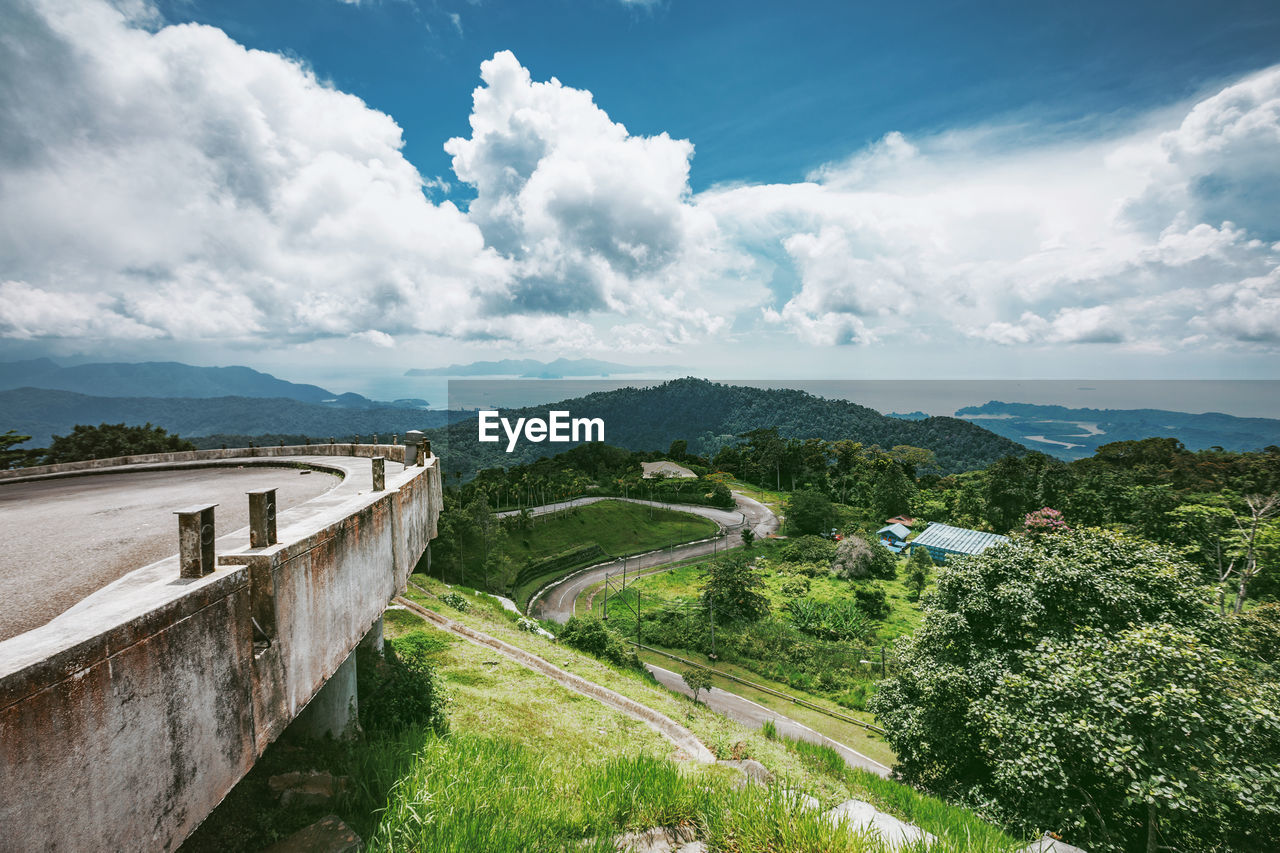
column 711, row 416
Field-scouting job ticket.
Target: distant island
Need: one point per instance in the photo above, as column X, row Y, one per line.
column 530, row 368
column 1076, row 433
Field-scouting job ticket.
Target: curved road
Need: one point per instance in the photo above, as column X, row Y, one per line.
column 556, row 601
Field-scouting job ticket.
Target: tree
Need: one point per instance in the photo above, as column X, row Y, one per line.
column 1148, row 739
column 108, row 440
column 990, row 621
column 856, row 558
column 10, row 458
column 732, row 587
column 1251, row 527
column 697, row 679
column 748, row 537
column 809, row 511
column 919, row 567
column 893, row 491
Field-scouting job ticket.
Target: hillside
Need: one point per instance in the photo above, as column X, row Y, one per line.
column 706, row 414
column 166, row 379
column 43, row 413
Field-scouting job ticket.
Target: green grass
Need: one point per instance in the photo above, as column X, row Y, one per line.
column 639, row 794
column 618, row 527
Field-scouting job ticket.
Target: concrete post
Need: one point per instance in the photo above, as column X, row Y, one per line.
column 262, row 518
column 379, row 473
column 412, row 441
column 426, row 449
column 195, row 540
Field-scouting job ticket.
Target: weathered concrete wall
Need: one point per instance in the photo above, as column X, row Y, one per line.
column 125, row 740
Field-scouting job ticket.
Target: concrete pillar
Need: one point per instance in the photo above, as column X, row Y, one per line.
column 373, row 639
column 262, row 518
column 412, row 441
column 195, row 540
column 334, row 710
column 426, row 450
column 379, row 473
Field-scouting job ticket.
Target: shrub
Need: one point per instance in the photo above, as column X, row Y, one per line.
column 400, row 687
column 808, row 549
column 856, row 558
column 591, row 635
column 809, row 511
column 456, row 601
column 871, row 601
column 527, row 625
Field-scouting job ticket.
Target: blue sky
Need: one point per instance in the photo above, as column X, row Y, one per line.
column 768, row 91
column 333, row 191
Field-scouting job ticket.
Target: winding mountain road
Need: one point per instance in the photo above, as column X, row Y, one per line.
column 557, row 601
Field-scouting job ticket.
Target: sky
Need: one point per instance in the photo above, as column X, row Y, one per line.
column 335, row 191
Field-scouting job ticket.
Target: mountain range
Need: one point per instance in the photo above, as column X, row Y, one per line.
column 1075, row 433
column 173, row 379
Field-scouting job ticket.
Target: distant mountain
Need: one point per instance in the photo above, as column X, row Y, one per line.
column 1076, row 433
column 166, row 379
column 707, row 414
column 530, row 368
column 42, row 413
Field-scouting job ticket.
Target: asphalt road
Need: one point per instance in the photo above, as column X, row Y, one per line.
column 752, row 714
column 556, row 602
column 62, row 539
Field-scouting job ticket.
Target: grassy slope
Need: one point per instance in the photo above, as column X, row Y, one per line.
column 756, row 824
column 618, row 527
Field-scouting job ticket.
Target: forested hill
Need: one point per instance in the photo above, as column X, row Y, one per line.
column 41, row 413
column 709, row 415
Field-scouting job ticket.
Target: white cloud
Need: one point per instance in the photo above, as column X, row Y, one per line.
column 208, row 191
column 1048, row 244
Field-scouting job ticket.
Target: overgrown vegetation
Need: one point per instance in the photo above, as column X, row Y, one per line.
column 1084, row 682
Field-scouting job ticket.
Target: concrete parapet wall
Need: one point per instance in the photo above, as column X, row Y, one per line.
column 124, row 737
column 391, row 452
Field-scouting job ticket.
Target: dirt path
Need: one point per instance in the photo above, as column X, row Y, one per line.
column 684, row 740
column 752, row 714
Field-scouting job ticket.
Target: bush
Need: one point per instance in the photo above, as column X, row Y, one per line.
column 591, row 635
column 871, row 601
column 527, row 625
column 808, row 549
column 400, row 687
column 456, row 601
column 856, row 558
column 733, row 587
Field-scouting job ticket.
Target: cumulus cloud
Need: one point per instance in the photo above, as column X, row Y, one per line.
column 593, row 217
column 1122, row 240
column 196, row 189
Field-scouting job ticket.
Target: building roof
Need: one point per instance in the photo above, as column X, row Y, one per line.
column 958, row 540
column 665, row 468
column 904, row 520
column 897, row 530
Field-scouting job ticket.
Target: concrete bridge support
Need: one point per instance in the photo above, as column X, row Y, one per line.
column 126, row 720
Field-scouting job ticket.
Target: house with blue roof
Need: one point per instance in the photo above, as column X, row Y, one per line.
column 894, row 537
column 943, row 541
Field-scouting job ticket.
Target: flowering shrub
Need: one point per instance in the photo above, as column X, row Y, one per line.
column 527, row 625
column 1045, row 521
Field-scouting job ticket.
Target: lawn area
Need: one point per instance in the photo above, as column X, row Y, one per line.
column 771, row 652
column 553, row 546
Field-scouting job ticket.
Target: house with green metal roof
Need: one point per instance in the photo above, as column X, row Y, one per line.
column 943, row 540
